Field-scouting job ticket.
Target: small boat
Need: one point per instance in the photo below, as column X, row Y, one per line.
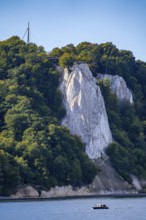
column 100, row 206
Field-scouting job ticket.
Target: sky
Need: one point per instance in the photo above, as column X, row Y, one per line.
column 56, row 23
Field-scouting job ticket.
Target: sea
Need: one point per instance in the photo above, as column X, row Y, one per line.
column 75, row 209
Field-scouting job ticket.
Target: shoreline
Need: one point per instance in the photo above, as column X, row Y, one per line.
column 128, row 195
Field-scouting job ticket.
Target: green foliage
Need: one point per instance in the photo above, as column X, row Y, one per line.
column 34, row 149
column 9, row 173
column 120, row 159
column 66, row 60
column 128, row 133
column 56, row 52
column 127, row 121
column 128, row 161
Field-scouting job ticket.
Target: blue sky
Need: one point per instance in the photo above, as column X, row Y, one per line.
column 56, row 23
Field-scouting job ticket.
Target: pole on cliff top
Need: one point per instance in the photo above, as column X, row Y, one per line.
column 28, row 33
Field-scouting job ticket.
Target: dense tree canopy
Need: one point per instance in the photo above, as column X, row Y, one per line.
column 127, row 122
column 34, row 148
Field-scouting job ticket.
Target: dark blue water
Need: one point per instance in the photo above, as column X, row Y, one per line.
column 75, row 209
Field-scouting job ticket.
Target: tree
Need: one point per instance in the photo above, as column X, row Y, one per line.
column 10, row 176
column 67, row 60
column 89, row 171
column 61, row 169
column 76, row 174
column 1, row 178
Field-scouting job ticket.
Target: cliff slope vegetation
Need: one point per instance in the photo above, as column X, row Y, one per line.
column 127, row 119
column 34, row 148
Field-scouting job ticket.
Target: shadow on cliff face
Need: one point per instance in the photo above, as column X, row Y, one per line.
column 108, row 180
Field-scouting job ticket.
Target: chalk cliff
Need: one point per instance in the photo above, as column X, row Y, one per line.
column 85, row 109
column 118, row 86
column 86, row 116
column 25, row 191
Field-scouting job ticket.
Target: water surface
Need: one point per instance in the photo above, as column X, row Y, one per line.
column 75, row 209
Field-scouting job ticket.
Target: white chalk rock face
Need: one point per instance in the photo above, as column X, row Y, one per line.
column 85, row 110
column 118, row 86
column 26, row 192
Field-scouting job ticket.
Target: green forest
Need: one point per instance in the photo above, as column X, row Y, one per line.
column 34, row 148
column 127, row 121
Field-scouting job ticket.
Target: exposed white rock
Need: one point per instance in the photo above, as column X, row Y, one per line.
column 90, row 190
column 85, row 109
column 136, row 183
column 109, row 181
column 65, row 191
column 118, row 86
column 100, row 186
column 26, row 192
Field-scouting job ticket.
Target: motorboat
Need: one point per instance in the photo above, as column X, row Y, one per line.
column 100, row 206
